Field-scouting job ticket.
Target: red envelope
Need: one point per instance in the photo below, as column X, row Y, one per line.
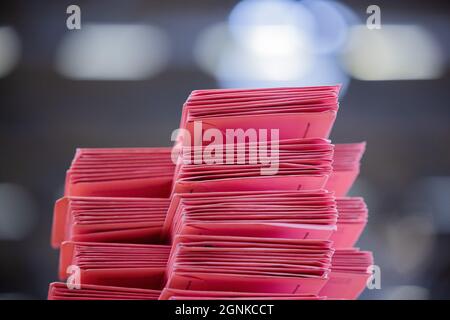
column 179, row 294
column 60, row 291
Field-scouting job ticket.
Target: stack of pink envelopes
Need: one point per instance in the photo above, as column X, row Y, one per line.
column 114, row 264
column 345, row 167
column 220, row 215
column 249, row 264
column 307, row 112
column 298, row 164
column 350, row 271
column 109, row 219
column 271, row 214
column 122, row 172
column 351, row 221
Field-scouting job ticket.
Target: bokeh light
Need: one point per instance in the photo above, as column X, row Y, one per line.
column 332, row 23
column 17, row 212
column 277, row 43
column 113, row 52
column 394, row 52
column 9, row 50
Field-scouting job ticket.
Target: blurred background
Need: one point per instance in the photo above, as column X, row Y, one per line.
column 121, row 81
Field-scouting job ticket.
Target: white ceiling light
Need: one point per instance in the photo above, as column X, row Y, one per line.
column 394, row 52
column 9, row 50
column 113, row 52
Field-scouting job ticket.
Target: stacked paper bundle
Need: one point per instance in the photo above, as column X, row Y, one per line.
column 351, row 222
column 307, row 112
column 266, row 218
column 300, row 164
column 113, row 264
column 122, row 172
column 109, row 219
column 346, row 164
column 271, row 214
column 255, row 265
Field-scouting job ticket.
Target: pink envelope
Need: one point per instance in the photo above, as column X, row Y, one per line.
column 341, row 181
column 294, row 125
column 178, row 294
column 287, row 231
column 347, row 234
column 346, row 286
column 139, row 187
column 60, row 291
column 138, row 235
column 253, row 184
column 260, row 284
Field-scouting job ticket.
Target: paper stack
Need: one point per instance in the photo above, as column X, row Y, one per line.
column 250, row 203
column 121, row 172
column 109, row 219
